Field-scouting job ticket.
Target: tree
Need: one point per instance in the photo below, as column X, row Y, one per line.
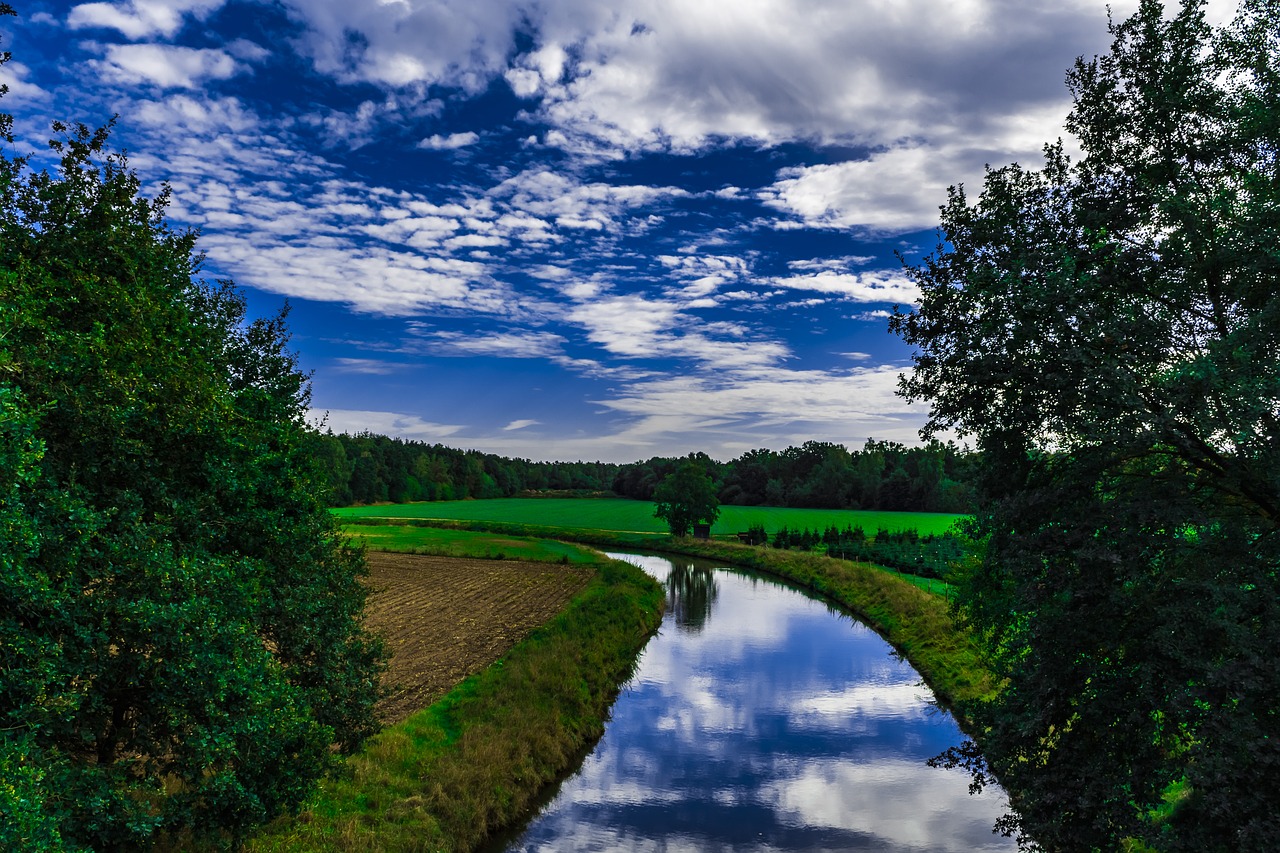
column 686, row 498
column 179, row 615
column 1108, row 331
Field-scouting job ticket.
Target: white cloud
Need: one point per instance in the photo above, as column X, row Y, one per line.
column 933, row 89
column 550, row 272
column 894, row 191
column 247, row 50
column 826, row 70
column 138, row 19
column 702, row 265
column 538, row 70
column 745, row 295
column 520, row 424
column 903, row 804
column 385, row 423
column 368, row 366
column 503, row 344
column 355, row 128
column 770, row 395
column 373, row 280
column 436, row 142
column 464, row 44
column 571, row 204
column 205, row 116
column 630, row 326
column 895, row 701
column 281, row 219
column 841, row 263
column 167, row 66
column 725, row 414
column 13, row 74
column 916, row 96
column 524, row 82
column 474, row 240
column 703, row 275
column 877, row 286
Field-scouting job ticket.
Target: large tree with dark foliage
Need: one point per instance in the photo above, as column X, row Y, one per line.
column 687, row 497
column 1108, row 331
column 179, row 617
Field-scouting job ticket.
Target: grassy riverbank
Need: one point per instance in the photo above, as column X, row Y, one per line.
column 916, row 622
column 449, row 776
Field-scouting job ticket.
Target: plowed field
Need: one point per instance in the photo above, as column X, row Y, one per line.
column 445, row 618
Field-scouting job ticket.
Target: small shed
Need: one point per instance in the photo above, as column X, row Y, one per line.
column 702, row 531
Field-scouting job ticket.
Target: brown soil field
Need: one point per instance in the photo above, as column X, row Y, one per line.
column 445, row 618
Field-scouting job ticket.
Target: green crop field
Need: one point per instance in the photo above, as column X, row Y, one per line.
column 464, row 543
column 637, row 516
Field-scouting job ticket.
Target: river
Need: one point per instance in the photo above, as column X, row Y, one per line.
column 763, row 719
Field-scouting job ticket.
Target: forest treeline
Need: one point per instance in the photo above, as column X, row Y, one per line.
column 369, row 468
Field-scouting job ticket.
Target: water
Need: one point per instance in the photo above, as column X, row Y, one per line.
column 762, row 719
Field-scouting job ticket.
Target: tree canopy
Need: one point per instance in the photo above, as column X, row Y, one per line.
column 686, row 498
column 1108, row 331
column 179, row 616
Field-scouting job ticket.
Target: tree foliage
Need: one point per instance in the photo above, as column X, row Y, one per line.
column 937, row 477
column 178, row 615
column 686, row 498
column 1108, row 331
column 369, row 468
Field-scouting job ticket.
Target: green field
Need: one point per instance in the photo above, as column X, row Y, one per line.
column 465, row 543
column 637, row 516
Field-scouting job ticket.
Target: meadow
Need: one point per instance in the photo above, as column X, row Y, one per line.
column 629, row 516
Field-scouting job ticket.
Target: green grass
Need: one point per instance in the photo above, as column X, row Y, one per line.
column 451, row 775
column 619, row 514
column 485, row 545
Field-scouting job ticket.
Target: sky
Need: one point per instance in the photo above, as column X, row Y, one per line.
column 570, row 229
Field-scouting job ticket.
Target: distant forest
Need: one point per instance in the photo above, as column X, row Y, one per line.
column 368, row 468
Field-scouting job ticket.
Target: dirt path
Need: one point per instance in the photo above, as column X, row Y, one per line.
column 445, row 618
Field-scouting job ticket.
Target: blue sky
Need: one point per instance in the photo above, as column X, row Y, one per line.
column 569, row 229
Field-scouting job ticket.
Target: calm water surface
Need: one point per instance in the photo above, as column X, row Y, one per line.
column 761, row 719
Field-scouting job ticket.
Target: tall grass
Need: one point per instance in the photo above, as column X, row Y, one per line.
column 451, row 775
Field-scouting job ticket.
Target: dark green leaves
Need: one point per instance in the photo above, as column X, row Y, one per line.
column 1108, row 332
column 686, row 498
column 179, row 616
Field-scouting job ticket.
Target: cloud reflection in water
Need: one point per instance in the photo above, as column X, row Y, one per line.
column 761, row 720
